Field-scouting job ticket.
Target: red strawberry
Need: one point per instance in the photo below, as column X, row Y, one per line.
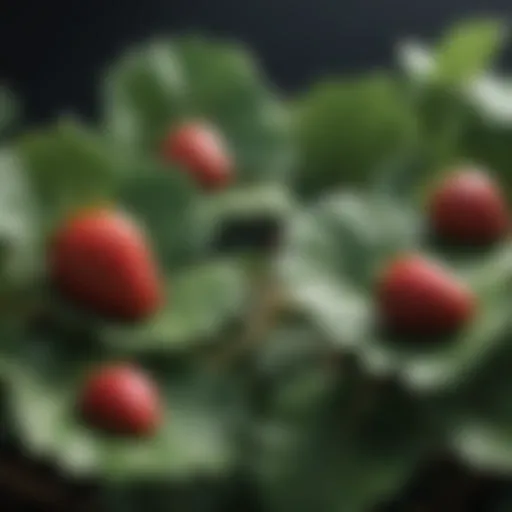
column 469, row 208
column 101, row 261
column 202, row 151
column 415, row 296
column 121, row 400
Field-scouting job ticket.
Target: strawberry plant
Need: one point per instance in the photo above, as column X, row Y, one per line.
column 370, row 330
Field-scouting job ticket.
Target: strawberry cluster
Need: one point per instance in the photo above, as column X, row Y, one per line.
column 418, row 297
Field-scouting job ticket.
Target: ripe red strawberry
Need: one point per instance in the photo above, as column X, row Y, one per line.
column 469, row 208
column 415, row 296
column 122, row 400
column 201, row 150
column 101, row 261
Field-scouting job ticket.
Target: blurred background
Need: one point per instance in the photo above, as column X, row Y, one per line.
column 53, row 52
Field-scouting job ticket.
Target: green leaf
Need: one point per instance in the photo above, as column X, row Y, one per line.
column 329, row 266
column 201, row 414
column 464, row 53
column 162, row 83
column 212, row 94
column 469, row 120
column 483, row 446
column 331, row 255
column 455, row 360
column 405, row 177
column 346, row 128
column 291, row 346
column 258, row 199
column 338, row 453
column 165, row 202
column 144, row 93
column 468, row 49
column 20, row 253
column 202, row 301
column 477, row 417
column 12, row 330
column 70, row 167
column 416, row 60
column 478, row 430
column 332, row 252
column 488, row 127
column 227, row 86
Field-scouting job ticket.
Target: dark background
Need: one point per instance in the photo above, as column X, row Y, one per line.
column 52, row 52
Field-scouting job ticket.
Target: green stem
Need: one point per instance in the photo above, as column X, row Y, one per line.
column 264, row 312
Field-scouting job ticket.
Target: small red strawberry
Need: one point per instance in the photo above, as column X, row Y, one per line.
column 469, row 208
column 122, row 400
column 101, row 261
column 201, row 150
column 415, row 296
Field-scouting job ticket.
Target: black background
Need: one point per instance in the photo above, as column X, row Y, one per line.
column 53, row 52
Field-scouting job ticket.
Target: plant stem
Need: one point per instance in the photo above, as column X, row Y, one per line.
column 266, row 306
